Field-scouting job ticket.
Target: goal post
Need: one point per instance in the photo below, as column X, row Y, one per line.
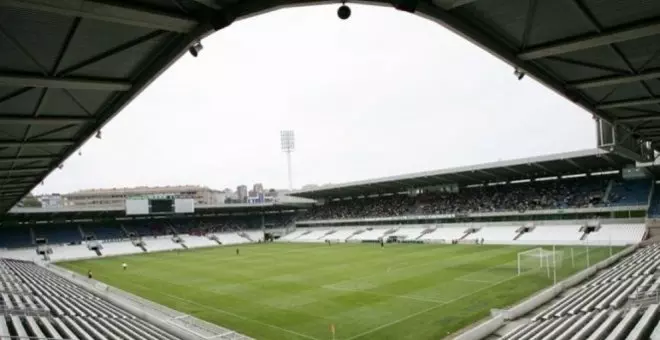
column 540, row 259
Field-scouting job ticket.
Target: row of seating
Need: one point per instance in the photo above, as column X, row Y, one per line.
column 126, row 247
column 608, row 234
column 50, row 307
column 601, row 308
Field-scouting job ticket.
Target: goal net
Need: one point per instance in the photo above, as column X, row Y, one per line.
column 539, row 259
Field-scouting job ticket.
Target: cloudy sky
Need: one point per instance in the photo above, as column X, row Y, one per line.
column 380, row 94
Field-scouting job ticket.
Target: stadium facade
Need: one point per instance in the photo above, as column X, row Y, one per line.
column 116, row 197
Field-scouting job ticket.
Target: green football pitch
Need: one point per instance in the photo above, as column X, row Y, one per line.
column 296, row 291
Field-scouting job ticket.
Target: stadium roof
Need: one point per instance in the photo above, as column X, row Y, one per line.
column 593, row 160
column 73, row 212
column 68, row 66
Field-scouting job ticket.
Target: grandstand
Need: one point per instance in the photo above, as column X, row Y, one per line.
column 600, row 56
column 513, row 206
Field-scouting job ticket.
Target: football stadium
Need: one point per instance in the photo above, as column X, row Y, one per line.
column 562, row 246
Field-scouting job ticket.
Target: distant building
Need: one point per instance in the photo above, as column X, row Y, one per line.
column 51, row 200
column 116, row 197
column 242, row 193
column 258, row 188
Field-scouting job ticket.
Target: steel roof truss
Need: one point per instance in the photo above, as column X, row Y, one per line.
column 635, row 31
column 43, row 119
column 19, row 80
column 616, row 80
column 37, row 143
column 109, row 11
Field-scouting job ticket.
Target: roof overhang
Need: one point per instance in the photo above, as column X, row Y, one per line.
column 570, row 163
column 70, row 66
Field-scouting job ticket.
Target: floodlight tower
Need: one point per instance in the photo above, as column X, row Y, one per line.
column 288, row 143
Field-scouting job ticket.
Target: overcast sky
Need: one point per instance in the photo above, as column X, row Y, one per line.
column 383, row 93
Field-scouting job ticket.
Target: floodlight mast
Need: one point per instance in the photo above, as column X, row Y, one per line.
column 288, row 144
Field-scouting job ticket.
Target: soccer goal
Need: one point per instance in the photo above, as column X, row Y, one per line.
column 539, row 259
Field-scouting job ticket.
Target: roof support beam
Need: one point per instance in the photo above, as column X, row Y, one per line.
column 573, row 163
column 628, row 103
column 544, row 168
column 26, row 169
column 508, row 168
column 43, row 142
column 26, row 159
column 14, row 185
column 594, row 40
column 108, row 11
column 642, row 118
column 12, row 192
column 616, row 80
column 44, row 119
column 63, row 83
column 451, row 4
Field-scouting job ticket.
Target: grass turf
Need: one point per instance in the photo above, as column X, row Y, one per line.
column 296, row 291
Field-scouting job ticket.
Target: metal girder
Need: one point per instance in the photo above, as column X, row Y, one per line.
column 515, row 171
column 11, row 177
column 11, row 159
column 448, row 4
column 43, row 119
column 43, row 142
column 14, row 185
column 109, row 11
column 615, row 80
column 63, row 83
column 209, row 3
column 573, row 163
column 544, row 168
column 486, row 172
column 594, row 40
column 26, row 169
column 9, row 193
column 628, row 103
column 641, row 118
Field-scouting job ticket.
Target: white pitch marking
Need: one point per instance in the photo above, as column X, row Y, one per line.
column 407, row 297
column 428, row 309
column 471, row 280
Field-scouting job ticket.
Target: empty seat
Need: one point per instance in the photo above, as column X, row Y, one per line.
column 622, row 329
column 645, row 324
column 603, row 330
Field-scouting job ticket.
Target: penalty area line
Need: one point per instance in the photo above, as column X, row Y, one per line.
column 477, row 281
column 407, row 297
column 428, row 309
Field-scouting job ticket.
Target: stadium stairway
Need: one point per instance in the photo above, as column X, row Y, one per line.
column 357, row 232
column 125, row 231
column 329, row 232
column 214, row 238
column 390, row 231
column 426, row 231
column 468, row 232
column 245, row 236
column 521, row 231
